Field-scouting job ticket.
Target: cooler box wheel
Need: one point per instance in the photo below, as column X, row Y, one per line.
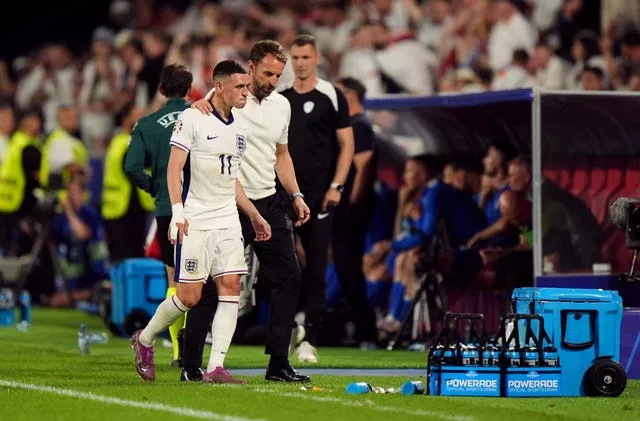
column 605, row 378
column 136, row 320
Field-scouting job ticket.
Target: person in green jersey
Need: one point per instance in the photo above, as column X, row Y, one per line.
column 150, row 144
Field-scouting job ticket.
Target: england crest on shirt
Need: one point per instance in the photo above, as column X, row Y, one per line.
column 241, row 143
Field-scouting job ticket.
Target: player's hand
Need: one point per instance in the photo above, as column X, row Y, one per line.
column 261, row 227
column 331, row 198
column 203, row 106
column 177, row 230
column 302, row 211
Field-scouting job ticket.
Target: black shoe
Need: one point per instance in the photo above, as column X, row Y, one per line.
column 185, row 377
column 285, row 374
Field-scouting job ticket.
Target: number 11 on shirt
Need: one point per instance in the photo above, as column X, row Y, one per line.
column 224, row 157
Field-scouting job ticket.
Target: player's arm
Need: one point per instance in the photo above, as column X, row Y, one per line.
column 182, row 139
column 260, row 225
column 508, row 207
column 362, row 157
column 179, row 224
column 284, row 169
column 134, row 162
column 287, row 176
column 345, row 157
column 344, row 133
column 426, row 227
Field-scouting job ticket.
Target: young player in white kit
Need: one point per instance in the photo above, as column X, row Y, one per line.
column 205, row 226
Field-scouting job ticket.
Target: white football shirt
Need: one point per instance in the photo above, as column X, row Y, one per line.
column 209, row 176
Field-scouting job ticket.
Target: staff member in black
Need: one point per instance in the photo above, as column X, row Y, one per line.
column 353, row 215
column 321, row 147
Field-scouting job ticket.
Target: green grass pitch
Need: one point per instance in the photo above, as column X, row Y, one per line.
column 43, row 377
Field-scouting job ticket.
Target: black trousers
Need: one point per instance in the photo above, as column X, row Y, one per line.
column 315, row 237
column 126, row 236
column 279, row 274
column 350, row 225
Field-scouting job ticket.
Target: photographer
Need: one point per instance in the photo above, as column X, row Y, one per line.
column 81, row 247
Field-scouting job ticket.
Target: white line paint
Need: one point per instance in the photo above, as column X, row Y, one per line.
column 185, row 412
column 359, row 404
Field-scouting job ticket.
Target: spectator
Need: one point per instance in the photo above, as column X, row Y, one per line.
column 49, row 84
column 510, row 32
column 414, row 76
column 550, row 70
column 592, row 79
column 359, row 61
column 585, row 52
column 517, row 75
column 102, row 79
column 436, row 15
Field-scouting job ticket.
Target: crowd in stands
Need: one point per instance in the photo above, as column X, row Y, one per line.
column 413, row 47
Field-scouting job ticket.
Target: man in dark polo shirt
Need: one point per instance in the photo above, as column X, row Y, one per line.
column 321, row 147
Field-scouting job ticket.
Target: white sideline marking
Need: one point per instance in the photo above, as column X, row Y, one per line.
column 186, row 412
column 359, row 404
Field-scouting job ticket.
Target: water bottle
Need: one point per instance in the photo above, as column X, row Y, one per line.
column 359, row 388
column 550, row 356
column 474, row 355
column 83, row 340
column 449, row 355
column 25, row 307
column 490, row 356
column 415, row 387
column 7, row 305
column 98, row 338
column 530, row 356
column 438, row 353
column 512, row 357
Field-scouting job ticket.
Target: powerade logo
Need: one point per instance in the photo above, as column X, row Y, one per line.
column 468, row 383
column 472, row 383
column 533, row 384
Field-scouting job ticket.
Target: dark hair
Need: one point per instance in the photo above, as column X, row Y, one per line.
column 305, row 39
column 521, row 56
column 430, row 162
column 595, row 70
column 522, row 161
column 469, row 163
column 506, row 148
column 265, row 47
column 228, row 68
column 32, row 111
column 354, row 85
column 175, row 80
column 485, row 74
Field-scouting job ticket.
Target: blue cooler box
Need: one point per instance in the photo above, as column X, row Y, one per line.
column 584, row 326
column 138, row 286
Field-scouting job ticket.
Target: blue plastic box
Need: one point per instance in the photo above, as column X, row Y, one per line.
column 138, row 286
column 583, row 325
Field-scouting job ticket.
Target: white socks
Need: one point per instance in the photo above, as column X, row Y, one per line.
column 222, row 330
column 167, row 312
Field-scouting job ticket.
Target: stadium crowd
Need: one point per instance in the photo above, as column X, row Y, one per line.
column 70, row 107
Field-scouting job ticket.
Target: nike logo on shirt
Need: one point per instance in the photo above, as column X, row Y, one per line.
column 212, row 137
